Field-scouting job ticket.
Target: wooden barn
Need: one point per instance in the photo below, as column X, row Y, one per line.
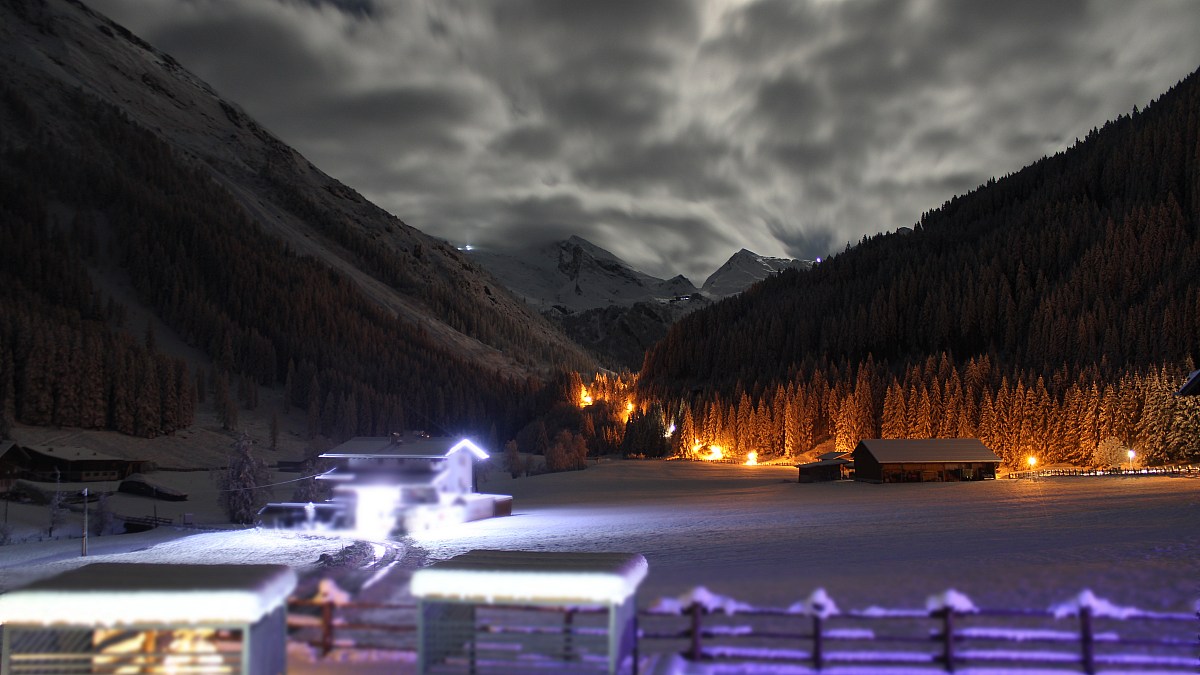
column 47, row 463
column 830, row 466
column 916, row 460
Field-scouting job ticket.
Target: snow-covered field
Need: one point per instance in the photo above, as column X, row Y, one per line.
column 755, row 534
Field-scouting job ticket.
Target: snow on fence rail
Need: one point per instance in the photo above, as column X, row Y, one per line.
column 1083, row 634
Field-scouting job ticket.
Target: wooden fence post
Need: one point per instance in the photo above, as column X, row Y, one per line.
column 1087, row 640
column 568, row 647
column 818, row 657
column 695, row 653
column 948, row 638
column 326, row 628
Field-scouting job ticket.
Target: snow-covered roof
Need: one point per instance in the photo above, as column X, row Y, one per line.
column 127, row 594
column 825, row 462
column 369, row 447
column 72, row 453
column 560, row 577
column 1192, row 386
column 897, row 450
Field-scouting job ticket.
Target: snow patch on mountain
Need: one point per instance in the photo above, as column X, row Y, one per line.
column 744, row 269
column 575, row 275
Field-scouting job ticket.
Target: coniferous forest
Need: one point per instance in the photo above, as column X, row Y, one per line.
column 1051, row 313
column 267, row 316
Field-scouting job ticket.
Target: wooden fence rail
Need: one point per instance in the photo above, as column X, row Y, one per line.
column 1084, row 634
column 945, row 637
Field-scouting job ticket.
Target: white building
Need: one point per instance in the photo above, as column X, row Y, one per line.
column 411, row 482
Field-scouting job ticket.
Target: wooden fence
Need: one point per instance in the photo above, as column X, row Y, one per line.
column 1084, row 634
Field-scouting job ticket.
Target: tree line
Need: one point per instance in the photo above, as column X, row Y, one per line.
column 1072, row 279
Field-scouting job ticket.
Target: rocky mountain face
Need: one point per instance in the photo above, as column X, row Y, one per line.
column 744, row 269
column 606, row 305
column 271, row 269
column 576, row 275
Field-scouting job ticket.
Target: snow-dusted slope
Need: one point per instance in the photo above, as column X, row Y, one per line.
column 576, row 275
column 745, row 268
column 51, row 49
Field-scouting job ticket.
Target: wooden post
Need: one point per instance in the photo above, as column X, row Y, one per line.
column 326, row 628
column 948, row 638
column 695, row 653
column 1087, row 640
column 818, row 657
column 568, row 647
column 637, row 636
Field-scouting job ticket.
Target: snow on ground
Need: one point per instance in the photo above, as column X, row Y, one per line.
column 755, row 534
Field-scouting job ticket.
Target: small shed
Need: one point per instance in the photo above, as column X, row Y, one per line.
column 127, row 617
column 916, row 460
column 830, row 466
column 520, row 611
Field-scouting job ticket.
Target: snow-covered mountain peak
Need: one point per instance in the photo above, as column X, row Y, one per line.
column 744, row 269
column 576, row 275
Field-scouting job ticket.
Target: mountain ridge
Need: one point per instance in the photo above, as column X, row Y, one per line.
column 281, row 276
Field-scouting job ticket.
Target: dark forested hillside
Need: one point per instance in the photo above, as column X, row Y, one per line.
column 113, row 158
column 1071, row 276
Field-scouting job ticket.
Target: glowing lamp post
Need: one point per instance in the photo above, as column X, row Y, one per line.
column 1131, row 454
column 1032, row 464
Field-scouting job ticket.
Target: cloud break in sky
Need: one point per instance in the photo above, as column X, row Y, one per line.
column 674, row 133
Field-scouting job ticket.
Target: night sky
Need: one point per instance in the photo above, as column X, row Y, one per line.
column 674, row 133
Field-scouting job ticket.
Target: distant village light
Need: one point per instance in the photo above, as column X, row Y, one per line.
column 752, row 458
column 1131, row 455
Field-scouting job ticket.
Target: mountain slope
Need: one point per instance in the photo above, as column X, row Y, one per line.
column 576, row 275
column 743, row 270
column 276, row 271
column 1050, row 313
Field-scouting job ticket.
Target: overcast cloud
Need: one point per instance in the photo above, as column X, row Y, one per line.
column 674, row 133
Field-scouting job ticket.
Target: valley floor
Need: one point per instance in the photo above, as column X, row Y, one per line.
column 755, row 534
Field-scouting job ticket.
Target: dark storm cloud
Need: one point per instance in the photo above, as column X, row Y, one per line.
column 412, row 118
column 805, row 243
column 361, row 8
column 529, row 142
column 686, row 167
column 675, row 133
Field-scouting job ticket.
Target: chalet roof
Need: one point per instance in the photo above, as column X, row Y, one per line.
column 836, row 454
column 897, row 450
column 569, row 577
column 5, row 446
column 1192, row 386
column 371, row 447
column 72, row 453
column 137, row 593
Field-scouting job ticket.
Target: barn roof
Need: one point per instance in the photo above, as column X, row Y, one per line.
column 367, row 447
column 1192, row 386
column 897, row 450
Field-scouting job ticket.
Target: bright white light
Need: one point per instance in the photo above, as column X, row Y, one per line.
column 468, row 445
column 375, row 509
column 670, row 430
column 752, row 458
column 1131, row 454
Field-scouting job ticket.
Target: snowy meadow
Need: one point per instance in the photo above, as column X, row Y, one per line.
column 755, row 534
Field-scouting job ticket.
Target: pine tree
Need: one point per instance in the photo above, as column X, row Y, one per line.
column 243, row 482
